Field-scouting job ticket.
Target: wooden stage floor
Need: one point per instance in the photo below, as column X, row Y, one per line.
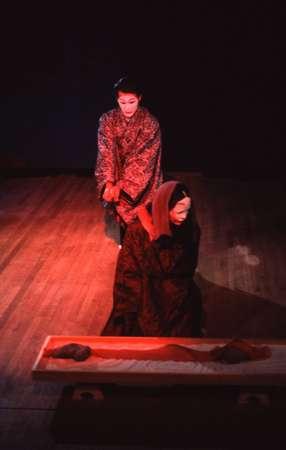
column 57, row 261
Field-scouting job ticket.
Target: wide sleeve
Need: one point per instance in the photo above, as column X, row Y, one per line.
column 104, row 170
column 143, row 168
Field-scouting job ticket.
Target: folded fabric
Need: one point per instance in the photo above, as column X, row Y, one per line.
column 74, row 351
column 237, row 351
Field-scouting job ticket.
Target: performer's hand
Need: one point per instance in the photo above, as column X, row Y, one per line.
column 108, row 192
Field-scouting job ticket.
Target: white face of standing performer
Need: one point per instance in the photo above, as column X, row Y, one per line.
column 179, row 213
column 128, row 103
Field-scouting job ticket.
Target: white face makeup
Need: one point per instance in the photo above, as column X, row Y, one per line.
column 179, row 213
column 128, row 103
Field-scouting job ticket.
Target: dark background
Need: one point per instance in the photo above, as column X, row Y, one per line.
column 212, row 73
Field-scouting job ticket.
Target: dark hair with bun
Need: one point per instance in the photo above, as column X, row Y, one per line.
column 127, row 85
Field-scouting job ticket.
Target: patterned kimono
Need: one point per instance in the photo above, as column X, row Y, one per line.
column 154, row 292
column 129, row 153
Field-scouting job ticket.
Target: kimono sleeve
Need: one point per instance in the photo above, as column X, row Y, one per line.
column 144, row 167
column 104, row 170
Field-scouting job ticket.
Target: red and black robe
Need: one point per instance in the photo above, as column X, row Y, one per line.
column 154, row 292
column 129, row 153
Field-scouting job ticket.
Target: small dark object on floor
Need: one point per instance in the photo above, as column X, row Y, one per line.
column 237, row 351
column 233, row 355
column 77, row 352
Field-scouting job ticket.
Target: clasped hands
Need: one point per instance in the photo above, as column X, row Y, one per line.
column 111, row 192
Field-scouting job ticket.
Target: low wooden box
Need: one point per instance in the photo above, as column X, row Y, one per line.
column 189, row 404
column 271, row 371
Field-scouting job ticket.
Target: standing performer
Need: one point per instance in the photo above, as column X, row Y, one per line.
column 128, row 168
column 154, row 293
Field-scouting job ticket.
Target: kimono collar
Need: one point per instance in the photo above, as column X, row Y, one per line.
column 160, row 209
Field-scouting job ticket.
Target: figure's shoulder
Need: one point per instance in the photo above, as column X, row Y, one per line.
column 109, row 116
column 149, row 118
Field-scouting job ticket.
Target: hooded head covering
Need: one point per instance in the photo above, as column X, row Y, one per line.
column 165, row 198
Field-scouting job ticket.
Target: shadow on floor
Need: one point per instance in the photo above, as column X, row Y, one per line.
column 232, row 314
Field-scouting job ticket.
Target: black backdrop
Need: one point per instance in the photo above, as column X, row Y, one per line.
column 212, row 73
